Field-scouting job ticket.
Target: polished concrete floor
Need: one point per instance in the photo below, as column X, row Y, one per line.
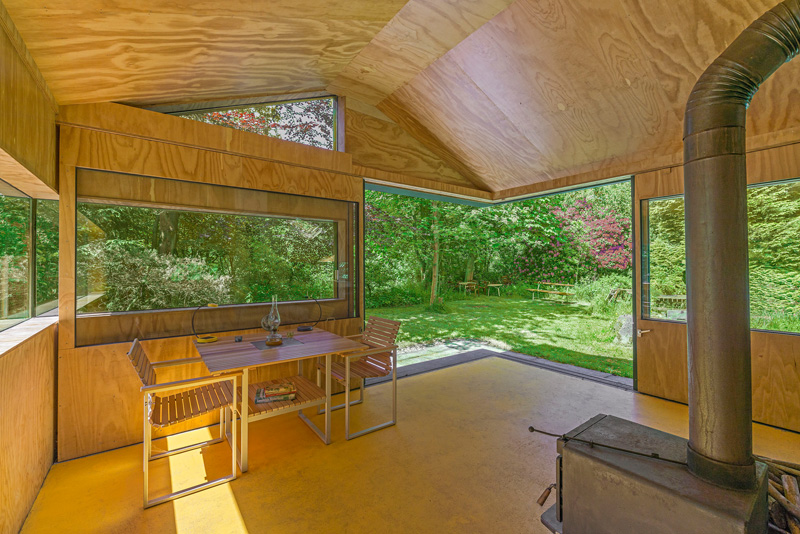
column 460, row 460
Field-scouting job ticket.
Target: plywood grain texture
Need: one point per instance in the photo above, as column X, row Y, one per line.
column 28, row 110
column 563, row 93
column 67, row 225
column 516, row 97
column 144, row 124
column 99, row 402
column 384, row 145
column 150, row 52
column 403, row 181
column 27, row 428
column 420, row 33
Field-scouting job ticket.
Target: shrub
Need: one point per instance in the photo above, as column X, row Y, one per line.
column 134, row 277
column 597, row 291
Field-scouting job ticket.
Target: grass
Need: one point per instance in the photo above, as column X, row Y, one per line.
column 566, row 333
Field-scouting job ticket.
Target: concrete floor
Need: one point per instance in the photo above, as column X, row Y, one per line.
column 435, row 351
column 460, row 460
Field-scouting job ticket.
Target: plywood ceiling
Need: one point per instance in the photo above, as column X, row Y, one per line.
column 499, row 94
column 151, row 51
column 549, row 89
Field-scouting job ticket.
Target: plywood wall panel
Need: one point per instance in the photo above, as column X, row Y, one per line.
column 382, row 144
column 661, row 361
column 28, row 111
column 135, row 122
column 776, row 379
column 119, row 153
column 27, row 410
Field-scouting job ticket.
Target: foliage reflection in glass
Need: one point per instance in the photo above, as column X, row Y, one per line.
column 15, row 211
column 137, row 258
column 773, row 212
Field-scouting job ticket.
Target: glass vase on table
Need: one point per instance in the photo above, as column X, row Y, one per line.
column 272, row 321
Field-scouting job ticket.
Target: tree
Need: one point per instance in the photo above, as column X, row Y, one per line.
column 309, row 122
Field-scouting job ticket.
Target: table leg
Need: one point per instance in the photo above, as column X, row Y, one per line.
column 245, row 417
column 328, row 404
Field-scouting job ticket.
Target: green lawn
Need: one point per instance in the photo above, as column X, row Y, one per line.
column 567, row 333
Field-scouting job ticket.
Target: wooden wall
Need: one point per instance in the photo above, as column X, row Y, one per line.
column 27, row 407
column 378, row 142
column 99, row 403
column 661, row 356
column 28, row 111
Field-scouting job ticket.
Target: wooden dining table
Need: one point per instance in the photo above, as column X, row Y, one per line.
column 229, row 355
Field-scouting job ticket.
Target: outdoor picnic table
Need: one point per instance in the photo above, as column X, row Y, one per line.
column 551, row 292
column 672, row 299
column 467, row 286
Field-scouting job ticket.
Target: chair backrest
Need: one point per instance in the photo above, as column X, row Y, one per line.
column 142, row 364
column 380, row 332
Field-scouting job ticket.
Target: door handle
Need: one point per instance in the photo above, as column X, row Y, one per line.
column 640, row 332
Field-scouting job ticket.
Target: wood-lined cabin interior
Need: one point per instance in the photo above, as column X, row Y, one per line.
column 484, row 101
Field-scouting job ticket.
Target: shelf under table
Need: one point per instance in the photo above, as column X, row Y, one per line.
column 308, row 394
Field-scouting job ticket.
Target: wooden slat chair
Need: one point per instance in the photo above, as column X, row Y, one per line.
column 379, row 360
column 162, row 409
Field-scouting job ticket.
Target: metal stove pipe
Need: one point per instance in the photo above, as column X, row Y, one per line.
column 720, row 398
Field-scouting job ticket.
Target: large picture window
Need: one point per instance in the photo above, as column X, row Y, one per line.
column 773, row 212
column 148, row 244
column 137, row 258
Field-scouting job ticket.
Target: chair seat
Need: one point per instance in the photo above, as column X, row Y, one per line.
column 371, row 366
column 181, row 406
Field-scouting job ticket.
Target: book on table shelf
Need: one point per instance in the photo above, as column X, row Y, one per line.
column 276, row 393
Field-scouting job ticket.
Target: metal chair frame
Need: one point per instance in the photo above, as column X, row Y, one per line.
column 347, row 404
column 227, row 420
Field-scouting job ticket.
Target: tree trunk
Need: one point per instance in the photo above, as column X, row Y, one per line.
column 470, row 274
column 4, row 268
column 167, row 232
column 435, row 270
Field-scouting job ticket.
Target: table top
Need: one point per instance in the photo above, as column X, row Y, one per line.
column 555, row 284
column 229, row 355
column 467, row 283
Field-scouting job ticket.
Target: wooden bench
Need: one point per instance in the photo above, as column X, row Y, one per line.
column 550, row 291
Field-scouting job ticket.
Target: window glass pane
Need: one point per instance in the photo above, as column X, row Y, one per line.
column 773, row 212
column 663, row 259
column 15, row 213
column 46, row 257
column 140, row 258
column 310, row 122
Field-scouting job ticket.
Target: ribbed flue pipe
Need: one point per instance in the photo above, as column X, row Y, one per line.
column 715, row 180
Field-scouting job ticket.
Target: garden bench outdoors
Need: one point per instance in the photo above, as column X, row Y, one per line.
column 550, row 291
